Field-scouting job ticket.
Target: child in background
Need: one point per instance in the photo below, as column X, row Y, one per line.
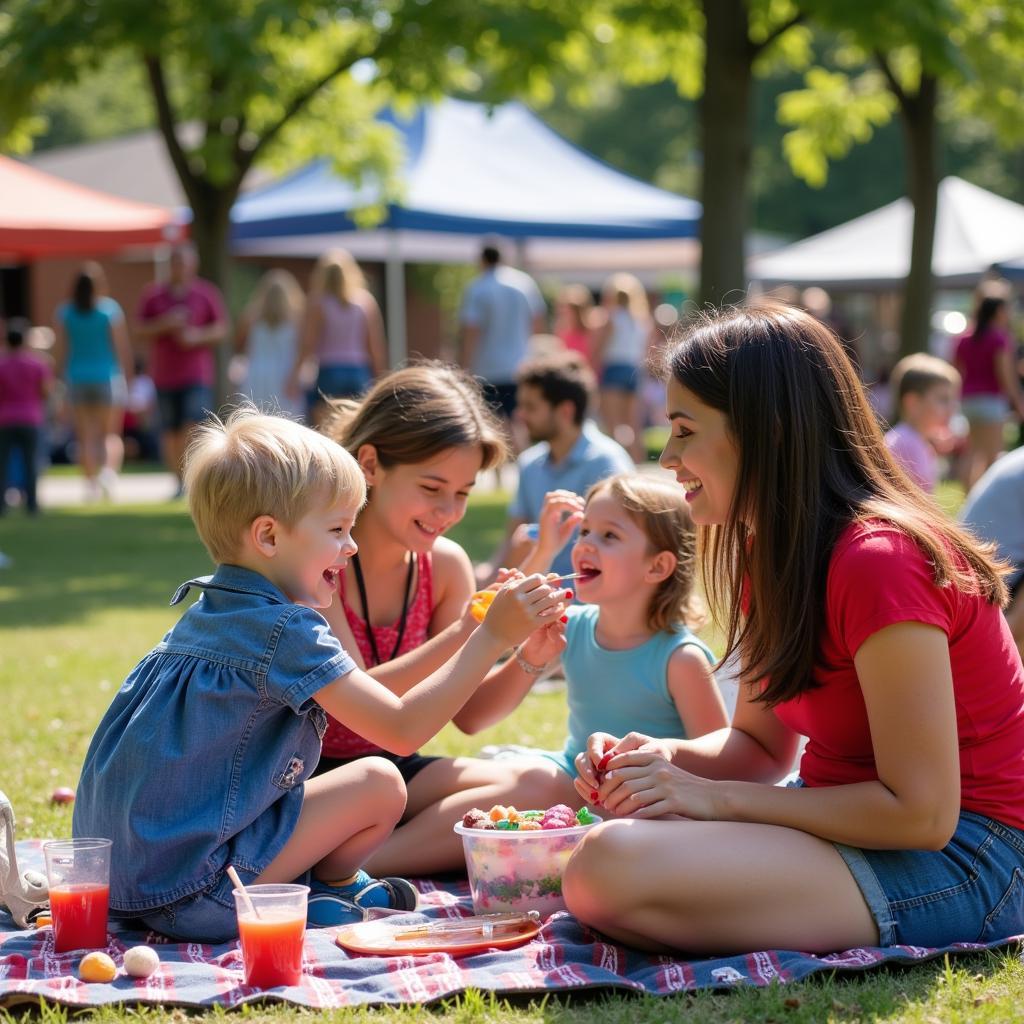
column 630, row 659
column 25, row 381
column 421, row 435
column 926, row 390
column 201, row 760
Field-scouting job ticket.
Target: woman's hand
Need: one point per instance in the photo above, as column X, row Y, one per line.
column 520, row 607
column 643, row 784
column 601, row 748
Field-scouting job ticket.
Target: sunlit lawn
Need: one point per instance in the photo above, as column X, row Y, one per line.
column 87, row 596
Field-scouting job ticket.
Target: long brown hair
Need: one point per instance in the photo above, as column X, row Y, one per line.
column 412, row 414
column 812, row 461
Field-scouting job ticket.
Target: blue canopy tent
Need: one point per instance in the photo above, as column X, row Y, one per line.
column 469, row 171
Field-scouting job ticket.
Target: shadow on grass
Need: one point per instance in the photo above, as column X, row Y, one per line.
column 66, row 565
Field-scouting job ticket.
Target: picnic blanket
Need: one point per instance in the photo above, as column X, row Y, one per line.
column 564, row 957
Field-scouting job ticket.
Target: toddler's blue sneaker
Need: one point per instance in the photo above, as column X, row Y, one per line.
column 332, row 905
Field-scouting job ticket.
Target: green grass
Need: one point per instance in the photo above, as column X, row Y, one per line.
column 87, row 596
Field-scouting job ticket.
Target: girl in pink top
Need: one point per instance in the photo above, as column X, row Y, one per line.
column 985, row 358
column 26, row 378
column 572, row 320
column 343, row 332
column 421, row 436
column 863, row 619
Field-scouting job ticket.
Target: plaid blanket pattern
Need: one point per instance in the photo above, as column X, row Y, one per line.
column 564, row 957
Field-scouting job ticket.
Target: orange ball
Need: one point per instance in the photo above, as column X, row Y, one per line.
column 97, row 967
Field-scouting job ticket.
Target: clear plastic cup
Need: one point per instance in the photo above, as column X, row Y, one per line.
column 271, row 933
column 78, row 873
column 512, row 871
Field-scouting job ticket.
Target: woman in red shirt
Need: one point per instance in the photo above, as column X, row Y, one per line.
column 865, row 620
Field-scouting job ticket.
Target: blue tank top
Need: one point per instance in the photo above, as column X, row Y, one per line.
column 618, row 691
column 91, row 356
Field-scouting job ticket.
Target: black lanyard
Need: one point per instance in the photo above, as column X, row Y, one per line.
column 366, row 609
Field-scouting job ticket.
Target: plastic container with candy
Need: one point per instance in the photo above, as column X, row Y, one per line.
column 514, row 862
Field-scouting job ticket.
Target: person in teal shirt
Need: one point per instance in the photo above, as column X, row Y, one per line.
column 631, row 660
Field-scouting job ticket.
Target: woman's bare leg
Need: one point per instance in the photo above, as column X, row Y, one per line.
column 716, row 888
column 441, row 794
column 987, row 442
column 346, row 814
column 90, row 422
column 114, row 440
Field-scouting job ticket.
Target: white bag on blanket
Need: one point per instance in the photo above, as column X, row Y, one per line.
column 21, row 892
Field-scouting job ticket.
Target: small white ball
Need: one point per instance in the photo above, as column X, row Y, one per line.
column 140, row 961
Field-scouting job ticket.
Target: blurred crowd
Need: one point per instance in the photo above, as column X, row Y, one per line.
column 99, row 385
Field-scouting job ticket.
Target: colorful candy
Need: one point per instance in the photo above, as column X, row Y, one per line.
column 508, row 819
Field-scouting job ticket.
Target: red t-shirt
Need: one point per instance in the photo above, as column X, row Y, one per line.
column 23, row 376
column 173, row 365
column 878, row 577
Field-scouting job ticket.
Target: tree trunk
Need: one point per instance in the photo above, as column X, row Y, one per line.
column 725, row 141
column 211, row 231
column 211, row 235
column 921, row 131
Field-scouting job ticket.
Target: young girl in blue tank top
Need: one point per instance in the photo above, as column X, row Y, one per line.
column 630, row 659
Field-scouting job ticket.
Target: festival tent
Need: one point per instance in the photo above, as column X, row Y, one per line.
column 469, row 171
column 42, row 216
column 974, row 230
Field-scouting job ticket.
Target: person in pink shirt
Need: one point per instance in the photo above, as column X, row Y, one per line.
column 184, row 319
column 573, row 314
column 926, row 389
column 863, row 619
column 25, row 381
column 991, row 390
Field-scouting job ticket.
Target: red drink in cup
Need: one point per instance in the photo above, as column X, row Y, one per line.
column 79, row 916
column 271, row 927
column 78, row 872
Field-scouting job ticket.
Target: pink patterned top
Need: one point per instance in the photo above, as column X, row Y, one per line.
column 339, row 741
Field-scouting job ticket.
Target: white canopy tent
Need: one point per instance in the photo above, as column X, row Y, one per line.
column 974, row 230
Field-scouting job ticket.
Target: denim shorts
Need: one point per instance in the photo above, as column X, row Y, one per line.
column 112, row 391
column 982, row 409
column 620, row 377
column 972, row 890
column 340, row 382
column 181, row 407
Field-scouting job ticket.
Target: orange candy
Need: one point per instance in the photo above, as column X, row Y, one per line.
column 481, row 601
column 497, row 813
column 529, row 825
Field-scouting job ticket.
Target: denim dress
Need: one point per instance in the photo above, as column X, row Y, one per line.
column 199, row 761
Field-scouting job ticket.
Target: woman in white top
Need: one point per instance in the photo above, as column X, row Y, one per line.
column 620, row 348
column 267, row 336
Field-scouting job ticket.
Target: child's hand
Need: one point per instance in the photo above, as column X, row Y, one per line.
column 545, row 644
column 560, row 514
column 476, row 607
column 520, row 607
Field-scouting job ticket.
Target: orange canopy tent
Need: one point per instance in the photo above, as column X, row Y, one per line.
column 42, row 216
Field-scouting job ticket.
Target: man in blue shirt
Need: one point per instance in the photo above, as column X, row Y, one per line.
column 500, row 310
column 569, row 453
